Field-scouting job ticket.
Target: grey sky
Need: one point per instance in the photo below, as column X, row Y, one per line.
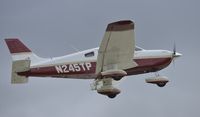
column 51, row 27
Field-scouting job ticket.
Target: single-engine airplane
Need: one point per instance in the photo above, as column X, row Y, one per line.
column 117, row 56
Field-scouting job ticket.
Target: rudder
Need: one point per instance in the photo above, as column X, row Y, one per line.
column 20, row 51
column 16, row 46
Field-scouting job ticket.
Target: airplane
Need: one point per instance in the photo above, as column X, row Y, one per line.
column 117, row 57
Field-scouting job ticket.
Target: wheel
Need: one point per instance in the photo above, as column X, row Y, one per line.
column 161, row 84
column 117, row 78
column 112, row 95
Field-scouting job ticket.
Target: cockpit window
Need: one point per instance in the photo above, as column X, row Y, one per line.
column 89, row 54
column 138, row 48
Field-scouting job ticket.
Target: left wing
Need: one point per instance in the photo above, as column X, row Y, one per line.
column 117, row 49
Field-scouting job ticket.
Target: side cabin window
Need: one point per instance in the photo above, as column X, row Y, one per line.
column 89, row 54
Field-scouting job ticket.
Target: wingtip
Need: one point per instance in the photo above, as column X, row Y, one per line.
column 121, row 25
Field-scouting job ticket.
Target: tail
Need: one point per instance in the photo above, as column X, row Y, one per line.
column 22, row 57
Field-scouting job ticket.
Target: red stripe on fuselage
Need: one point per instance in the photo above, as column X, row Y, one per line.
column 66, row 69
column 144, row 66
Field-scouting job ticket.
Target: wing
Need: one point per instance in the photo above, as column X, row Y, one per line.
column 117, row 48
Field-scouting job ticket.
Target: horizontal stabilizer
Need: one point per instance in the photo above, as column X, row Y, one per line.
column 20, row 66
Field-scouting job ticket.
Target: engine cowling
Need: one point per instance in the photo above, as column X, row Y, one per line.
column 161, row 81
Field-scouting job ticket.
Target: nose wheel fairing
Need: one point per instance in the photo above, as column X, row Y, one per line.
column 160, row 81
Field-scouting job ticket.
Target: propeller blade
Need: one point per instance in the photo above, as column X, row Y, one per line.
column 174, row 54
column 174, row 50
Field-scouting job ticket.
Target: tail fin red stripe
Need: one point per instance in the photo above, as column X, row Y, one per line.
column 16, row 46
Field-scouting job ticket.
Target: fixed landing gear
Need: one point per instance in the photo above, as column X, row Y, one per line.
column 160, row 81
column 105, row 87
column 111, row 92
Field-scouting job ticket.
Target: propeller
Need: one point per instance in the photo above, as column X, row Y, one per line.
column 174, row 50
column 175, row 54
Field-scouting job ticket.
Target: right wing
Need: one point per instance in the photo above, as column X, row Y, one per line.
column 117, row 48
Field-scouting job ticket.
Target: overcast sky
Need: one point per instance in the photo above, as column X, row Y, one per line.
column 54, row 27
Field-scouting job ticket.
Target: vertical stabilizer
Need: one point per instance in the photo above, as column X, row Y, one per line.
column 21, row 52
column 22, row 58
